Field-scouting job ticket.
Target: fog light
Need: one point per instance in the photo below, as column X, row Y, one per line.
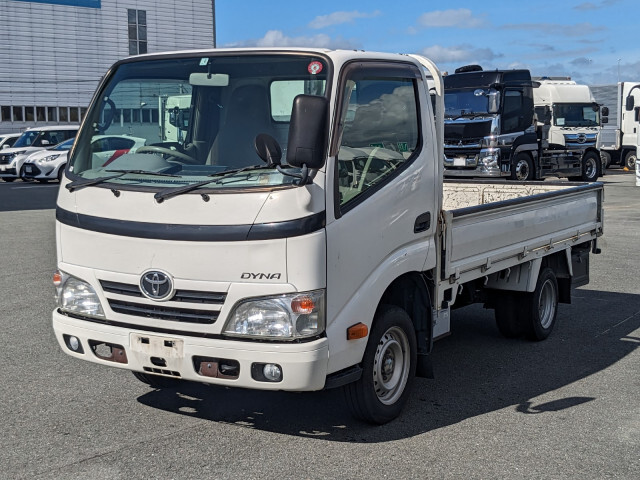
column 73, row 343
column 272, row 372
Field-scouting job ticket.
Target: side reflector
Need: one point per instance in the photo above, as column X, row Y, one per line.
column 359, row 330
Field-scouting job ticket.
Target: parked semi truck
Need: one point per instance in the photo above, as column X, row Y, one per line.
column 501, row 123
column 619, row 135
column 302, row 248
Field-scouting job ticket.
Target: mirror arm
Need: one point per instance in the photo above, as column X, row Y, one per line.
column 305, row 177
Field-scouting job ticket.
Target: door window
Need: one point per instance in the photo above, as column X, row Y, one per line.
column 381, row 132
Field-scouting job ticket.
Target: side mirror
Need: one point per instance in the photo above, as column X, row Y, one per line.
column 604, row 120
column 605, row 111
column 493, row 98
column 630, row 103
column 308, row 132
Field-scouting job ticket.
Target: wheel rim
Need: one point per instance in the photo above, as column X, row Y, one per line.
column 522, row 170
column 631, row 161
column 591, row 168
column 391, row 365
column 547, row 304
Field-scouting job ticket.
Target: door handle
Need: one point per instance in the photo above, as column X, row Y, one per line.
column 423, row 222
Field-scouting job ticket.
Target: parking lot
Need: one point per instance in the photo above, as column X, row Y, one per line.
column 564, row 408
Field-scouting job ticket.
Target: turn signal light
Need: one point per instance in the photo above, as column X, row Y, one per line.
column 57, row 278
column 359, row 330
column 302, row 304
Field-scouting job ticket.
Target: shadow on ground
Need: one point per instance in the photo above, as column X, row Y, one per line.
column 477, row 371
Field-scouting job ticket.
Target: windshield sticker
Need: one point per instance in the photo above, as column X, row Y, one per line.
column 314, row 68
column 204, row 61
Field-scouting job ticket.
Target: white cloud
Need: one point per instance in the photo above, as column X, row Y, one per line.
column 460, row 18
column 459, row 53
column 337, row 18
column 276, row 38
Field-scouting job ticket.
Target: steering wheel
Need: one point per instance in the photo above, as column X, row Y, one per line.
column 168, row 151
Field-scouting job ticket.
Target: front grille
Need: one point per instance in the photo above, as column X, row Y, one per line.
column 163, row 312
column 5, row 159
column 35, row 171
column 190, row 296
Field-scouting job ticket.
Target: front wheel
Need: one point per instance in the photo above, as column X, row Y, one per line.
column 389, row 367
column 590, row 164
column 522, row 168
column 630, row 160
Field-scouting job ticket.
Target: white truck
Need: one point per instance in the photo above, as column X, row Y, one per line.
column 175, row 111
column 619, row 136
column 569, row 121
column 332, row 262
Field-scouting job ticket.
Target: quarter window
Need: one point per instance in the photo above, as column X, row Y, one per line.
column 380, row 133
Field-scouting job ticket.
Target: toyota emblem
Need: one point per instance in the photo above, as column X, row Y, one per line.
column 156, row 285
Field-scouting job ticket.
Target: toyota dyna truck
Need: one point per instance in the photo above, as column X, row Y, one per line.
column 502, row 123
column 301, row 237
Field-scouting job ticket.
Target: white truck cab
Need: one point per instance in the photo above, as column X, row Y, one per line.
column 300, row 236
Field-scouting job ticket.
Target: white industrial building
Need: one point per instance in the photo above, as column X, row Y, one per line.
column 53, row 53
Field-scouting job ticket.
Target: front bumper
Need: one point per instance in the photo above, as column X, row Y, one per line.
column 7, row 171
column 38, row 172
column 304, row 365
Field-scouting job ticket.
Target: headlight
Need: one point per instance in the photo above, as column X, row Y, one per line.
column 283, row 317
column 49, row 158
column 75, row 296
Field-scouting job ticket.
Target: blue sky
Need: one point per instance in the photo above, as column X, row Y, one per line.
column 594, row 42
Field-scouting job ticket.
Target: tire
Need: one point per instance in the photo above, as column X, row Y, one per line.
column 606, row 160
column 61, row 172
column 156, row 381
column 42, row 180
column 630, row 160
column 540, row 308
column 507, row 312
column 591, row 167
column 9, row 179
column 22, row 174
column 522, row 168
column 389, row 367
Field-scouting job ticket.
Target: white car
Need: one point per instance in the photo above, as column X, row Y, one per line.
column 8, row 139
column 31, row 140
column 49, row 164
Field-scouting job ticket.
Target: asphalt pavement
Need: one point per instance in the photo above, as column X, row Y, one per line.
column 565, row 408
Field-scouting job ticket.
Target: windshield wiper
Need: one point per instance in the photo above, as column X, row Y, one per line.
column 174, row 191
column 88, row 182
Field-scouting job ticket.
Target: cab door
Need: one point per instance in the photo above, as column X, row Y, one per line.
column 384, row 190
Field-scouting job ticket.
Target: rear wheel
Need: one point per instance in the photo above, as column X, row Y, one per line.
column 630, row 160
column 522, row 168
column 540, row 308
column 606, row 160
column 9, row 179
column 156, row 381
column 389, row 367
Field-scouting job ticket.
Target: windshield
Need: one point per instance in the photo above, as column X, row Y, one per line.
column 26, row 139
column 466, row 102
column 66, row 145
column 576, row 115
column 193, row 118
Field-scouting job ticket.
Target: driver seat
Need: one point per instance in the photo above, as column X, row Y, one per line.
column 248, row 114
